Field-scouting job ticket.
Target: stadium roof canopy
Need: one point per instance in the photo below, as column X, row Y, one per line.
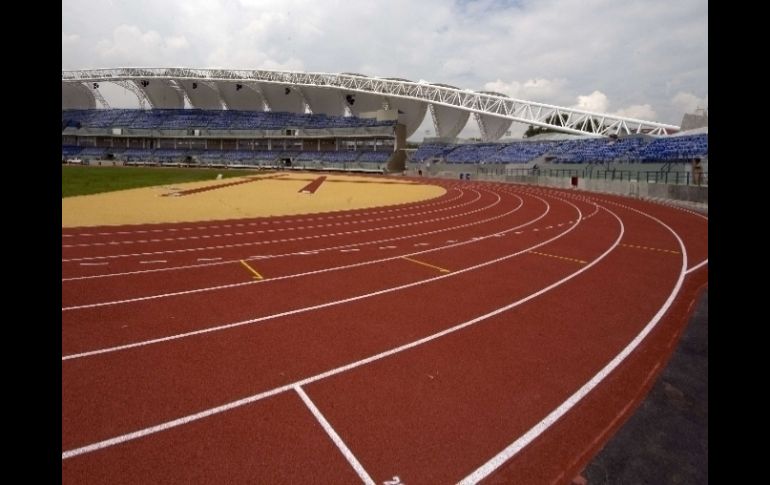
column 340, row 94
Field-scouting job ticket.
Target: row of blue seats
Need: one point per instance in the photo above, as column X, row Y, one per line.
column 569, row 151
column 183, row 119
column 69, row 151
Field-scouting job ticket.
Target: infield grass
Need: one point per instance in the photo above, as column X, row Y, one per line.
column 77, row 180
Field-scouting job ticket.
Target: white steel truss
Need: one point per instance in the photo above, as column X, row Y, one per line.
column 567, row 120
column 140, row 94
column 99, row 96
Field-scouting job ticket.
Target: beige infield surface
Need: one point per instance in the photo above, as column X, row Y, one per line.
column 261, row 196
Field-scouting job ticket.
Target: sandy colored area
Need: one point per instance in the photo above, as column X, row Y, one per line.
column 262, row 197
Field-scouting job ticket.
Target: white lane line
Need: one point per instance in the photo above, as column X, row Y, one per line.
column 421, row 244
column 319, row 306
column 257, row 397
column 154, row 261
column 704, row 262
column 209, row 259
column 332, row 248
column 351, row 250
column 297, row 275
column 387, row 247
column 417, row 206
column 94, row 264
column 258, row 243
column 511, row 450
column 349, row 456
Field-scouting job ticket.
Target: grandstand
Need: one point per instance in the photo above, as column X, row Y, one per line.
column 354, row 122
column 640, row 148
column 233, row 138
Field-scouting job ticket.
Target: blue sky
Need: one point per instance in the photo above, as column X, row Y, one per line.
column 644, row 59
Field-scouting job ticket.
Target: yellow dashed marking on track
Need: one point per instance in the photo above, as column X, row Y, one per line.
column 443, row 270
column 560, row 257
column 257, row 276
column 650, row 249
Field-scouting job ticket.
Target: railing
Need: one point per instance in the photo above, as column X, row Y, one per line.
column 650, row 177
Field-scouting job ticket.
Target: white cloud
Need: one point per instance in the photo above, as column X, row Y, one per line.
column 596, row 102
column 130, row 46
column 635, row 53
column 179, row 42
column 688, row 102
column 638, row 111
column 540, row 89
column 69, row 38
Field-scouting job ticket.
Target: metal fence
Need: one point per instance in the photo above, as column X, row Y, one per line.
column 650, row 177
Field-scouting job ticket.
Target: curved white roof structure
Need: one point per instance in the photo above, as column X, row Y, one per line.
column 336, row 94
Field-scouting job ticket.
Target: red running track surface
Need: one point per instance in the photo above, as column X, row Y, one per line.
column 499, row 333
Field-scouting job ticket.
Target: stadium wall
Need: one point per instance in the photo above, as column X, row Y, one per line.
column 689, row 195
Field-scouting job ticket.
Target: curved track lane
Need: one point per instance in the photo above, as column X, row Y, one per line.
column 498, row 332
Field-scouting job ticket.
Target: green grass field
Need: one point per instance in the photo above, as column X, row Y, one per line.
column 76, row 180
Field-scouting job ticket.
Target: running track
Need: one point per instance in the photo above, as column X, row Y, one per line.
column 499, row 333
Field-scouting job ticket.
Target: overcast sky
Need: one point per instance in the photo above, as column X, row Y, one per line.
column 645, row 59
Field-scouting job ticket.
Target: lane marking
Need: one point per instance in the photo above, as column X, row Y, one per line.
column 209, row 259
column 704, row 262
column 649, row 248
column 303, row 382
column 420, row 211
column 351, row 250
column 511, row 450
column 322, row 305
column 94, row 264
column 256, row 276
column 258, row 243
column 297, row 275
column 153, row 261
column 559, row 257
column 443, row 270
column 349, row 456
column 331, row 248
